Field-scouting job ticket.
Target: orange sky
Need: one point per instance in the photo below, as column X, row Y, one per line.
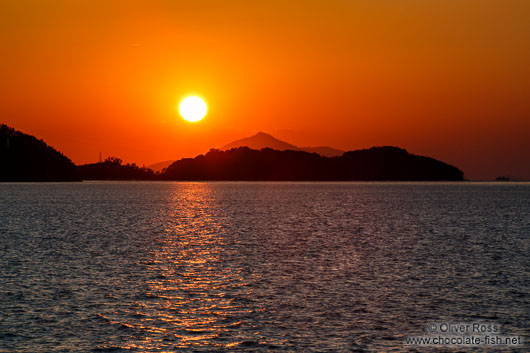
column 449, row 79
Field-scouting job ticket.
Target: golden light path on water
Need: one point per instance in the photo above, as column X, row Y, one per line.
column 187, row 300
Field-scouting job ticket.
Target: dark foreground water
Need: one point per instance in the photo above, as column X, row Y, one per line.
column 327, row 267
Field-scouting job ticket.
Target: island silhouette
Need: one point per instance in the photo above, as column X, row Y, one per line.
column 25, row 158
column 259, row 141
column 113, row 168
column 376, row 163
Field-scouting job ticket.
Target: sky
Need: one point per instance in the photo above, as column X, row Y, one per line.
column 448, row 79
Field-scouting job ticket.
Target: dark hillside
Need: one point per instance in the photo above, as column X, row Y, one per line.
column 377, row 163
column 25, row 158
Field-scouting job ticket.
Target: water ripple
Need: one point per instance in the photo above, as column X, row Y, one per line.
column 323, row 267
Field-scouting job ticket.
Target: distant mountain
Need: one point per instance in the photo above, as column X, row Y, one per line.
column 25, row 158
column 323, row 151
column 158, row 167
column 259, row 141
column 263, row 140
column 376, row 163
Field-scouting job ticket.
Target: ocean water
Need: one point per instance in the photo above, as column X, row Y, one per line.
column 311, row 267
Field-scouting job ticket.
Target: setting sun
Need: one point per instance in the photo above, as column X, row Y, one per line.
column 192, row 109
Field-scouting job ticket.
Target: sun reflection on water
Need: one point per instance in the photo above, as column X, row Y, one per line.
column 187, row 299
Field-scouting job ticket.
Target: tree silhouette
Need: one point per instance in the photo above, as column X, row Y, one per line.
column 114, row 169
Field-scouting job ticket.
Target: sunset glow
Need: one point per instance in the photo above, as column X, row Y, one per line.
column 447, row 79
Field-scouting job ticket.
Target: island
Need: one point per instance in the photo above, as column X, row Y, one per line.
column 113, row 168
column 374, row 164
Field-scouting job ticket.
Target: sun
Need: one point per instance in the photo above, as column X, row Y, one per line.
column 192, row 109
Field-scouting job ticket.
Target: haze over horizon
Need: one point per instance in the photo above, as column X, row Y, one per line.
column 448, row 80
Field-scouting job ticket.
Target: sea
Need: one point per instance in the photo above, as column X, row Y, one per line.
column 264, row 266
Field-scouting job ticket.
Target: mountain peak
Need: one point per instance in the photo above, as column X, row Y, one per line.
column 259, row 141
column 263, row 140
